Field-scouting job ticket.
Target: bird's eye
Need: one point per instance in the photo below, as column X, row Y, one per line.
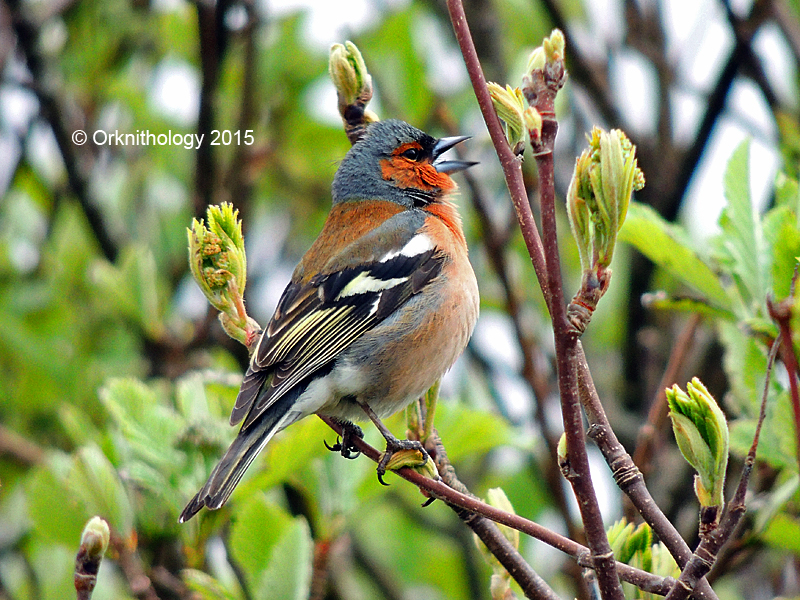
column 412, row 154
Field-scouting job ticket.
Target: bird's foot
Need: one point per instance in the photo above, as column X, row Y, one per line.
column 345, row 445
column 399, row 454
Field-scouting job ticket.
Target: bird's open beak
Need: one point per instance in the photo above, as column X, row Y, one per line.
column 450, row 166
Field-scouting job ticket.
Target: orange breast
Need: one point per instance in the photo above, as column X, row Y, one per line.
column 447, row 215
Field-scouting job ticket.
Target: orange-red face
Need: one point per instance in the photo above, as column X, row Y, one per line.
column 410, row 167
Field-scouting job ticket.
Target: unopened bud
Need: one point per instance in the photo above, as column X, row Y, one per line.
column 533, row 124
column 349, row 74
column 509, row 104
column 701, row 431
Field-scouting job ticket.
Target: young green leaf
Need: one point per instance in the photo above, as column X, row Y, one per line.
column 742, row 243
column 665, row 245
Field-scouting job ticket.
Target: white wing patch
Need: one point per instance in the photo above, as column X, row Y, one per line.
column 416, row 245
column 364, row 283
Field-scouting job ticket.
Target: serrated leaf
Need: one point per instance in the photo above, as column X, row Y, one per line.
column 56, row 514
column 94, row 479
column 745, row 363
column 742, row 242
column 289, row 453
column 783, row 235
column 131, row 285
column 254, row 534
column 665, row 245
column 149, row 427
column 191, row 398
column 775, row 501
column 288, row 576
column 468, row 432
column 206, row 586
column 787, row 193
column 784, row 533
column 776, row 445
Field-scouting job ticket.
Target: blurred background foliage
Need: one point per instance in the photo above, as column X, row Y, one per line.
column 116, row 379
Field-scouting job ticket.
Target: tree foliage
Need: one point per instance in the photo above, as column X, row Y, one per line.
column 117, row 378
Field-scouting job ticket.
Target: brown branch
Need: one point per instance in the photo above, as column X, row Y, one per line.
column 508, row 161
column 781, row 313
column 786, row 18
column 75, row 157
column 238, row 181
column 376, row 573
column 532, row 355
column 211, row 32
column 715, row 105
column 705, row 554
column 19, row 448
column 131, row 565
column 495, row 241
column 161, row 575
column 508, row 556
column 441, row 491
column 628, row 477
column 657, row 416
column 540, row 88
column 590, row 74
column 744, row 31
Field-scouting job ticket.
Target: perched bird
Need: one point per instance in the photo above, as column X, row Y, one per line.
column 380, row 306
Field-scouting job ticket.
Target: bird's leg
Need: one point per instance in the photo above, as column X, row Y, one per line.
column 345, row 446
column 393, row 444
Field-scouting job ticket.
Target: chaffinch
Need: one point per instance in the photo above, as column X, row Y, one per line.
column 380, row 306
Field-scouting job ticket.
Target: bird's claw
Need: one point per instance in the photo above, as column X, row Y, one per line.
column 344, row 444
column 401, row 453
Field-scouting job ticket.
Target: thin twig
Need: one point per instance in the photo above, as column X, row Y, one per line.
column 495, row 241
column 705, row 554
column 591, row 74
column 786, row 18
column 438, row 489
column 376, row 573
column 629, row 478
column 781, row 313
column 162, row 576
column 508, row 161
column 657, row 416
column 131, row 565
column 55, row 113
column 540, row 88
column 500, row 547
column 21, row 449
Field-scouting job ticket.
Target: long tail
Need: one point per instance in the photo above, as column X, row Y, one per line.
column 247, row 445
